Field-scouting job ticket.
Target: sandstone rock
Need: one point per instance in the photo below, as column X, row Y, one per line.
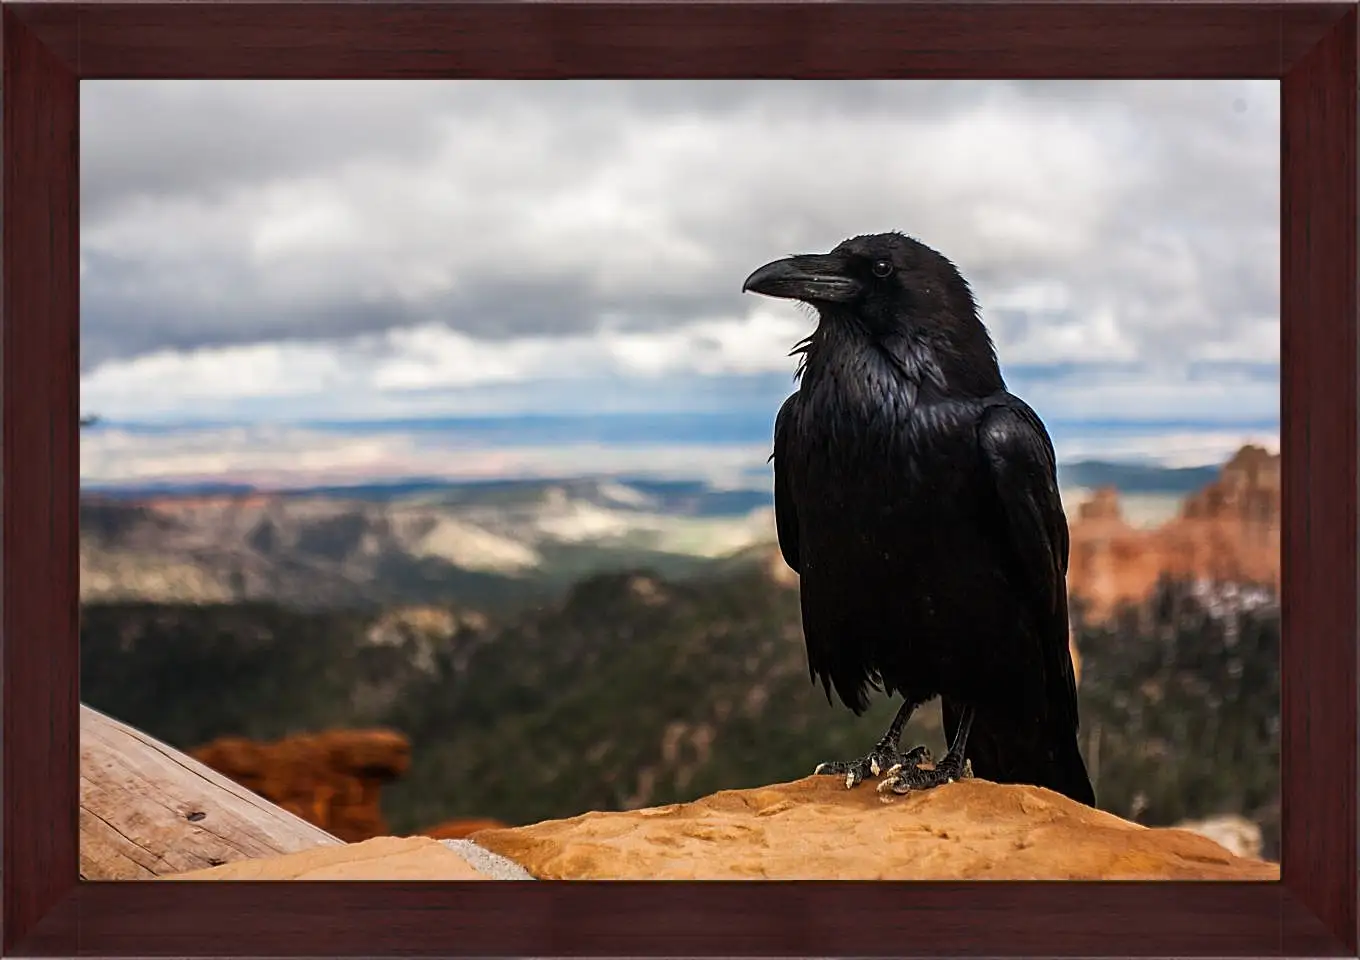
column 459, row 829
column 1235, row 833
column 1227, row 532
column 423, row 623
column 1103, row 506
column 382, row 858
column 816, row 829
column 1248, row 489
column 332, row 779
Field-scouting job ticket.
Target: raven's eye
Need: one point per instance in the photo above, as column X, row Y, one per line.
column 882, row 268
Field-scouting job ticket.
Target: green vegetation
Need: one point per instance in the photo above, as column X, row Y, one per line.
column 189, row 673
column 1180, row 700
column 632, row 690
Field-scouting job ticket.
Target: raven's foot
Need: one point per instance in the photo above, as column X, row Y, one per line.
column 954, row 766
column 906, row 778
column 882, row 758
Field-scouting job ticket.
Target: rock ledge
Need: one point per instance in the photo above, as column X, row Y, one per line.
column 815, row 829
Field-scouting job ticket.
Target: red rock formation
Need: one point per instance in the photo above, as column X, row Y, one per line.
column 1229, row 531
column 332, row 779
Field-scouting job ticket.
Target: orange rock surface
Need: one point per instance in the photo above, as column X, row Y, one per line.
column 1229, row 531
column 459, row 829
column 815, row 829
column 332, row 779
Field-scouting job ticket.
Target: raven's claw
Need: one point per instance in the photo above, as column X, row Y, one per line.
column 882, row 758
column 904, row 779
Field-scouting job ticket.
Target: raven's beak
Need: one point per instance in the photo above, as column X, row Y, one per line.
column 812, row 278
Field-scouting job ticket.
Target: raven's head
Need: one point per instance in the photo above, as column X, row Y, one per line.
column 895, row 289
column 886, row 280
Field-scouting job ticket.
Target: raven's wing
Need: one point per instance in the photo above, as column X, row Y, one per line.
column 785, row 515
column 1019, row 455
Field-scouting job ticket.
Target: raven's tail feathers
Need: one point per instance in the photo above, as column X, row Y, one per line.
column 999, row 751
column 1067, row 773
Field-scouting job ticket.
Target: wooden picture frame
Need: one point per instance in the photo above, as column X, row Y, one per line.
column 49, row 47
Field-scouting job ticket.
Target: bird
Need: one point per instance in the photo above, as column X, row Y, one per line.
column 917, row 500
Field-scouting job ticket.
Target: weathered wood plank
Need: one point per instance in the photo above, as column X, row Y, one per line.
column 147, row 810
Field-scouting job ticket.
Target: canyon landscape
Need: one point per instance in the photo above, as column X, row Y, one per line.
column 531, row 621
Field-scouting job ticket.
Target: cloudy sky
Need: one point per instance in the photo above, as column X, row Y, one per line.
column 292, row 282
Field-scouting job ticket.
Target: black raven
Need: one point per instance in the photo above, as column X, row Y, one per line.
column 918, row 501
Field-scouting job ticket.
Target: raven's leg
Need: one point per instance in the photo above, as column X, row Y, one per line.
column 884, row 754
column 908, row 777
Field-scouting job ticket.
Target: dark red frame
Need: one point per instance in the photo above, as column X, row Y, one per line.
column 49, row 47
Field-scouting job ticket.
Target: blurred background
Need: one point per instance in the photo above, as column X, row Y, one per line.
column 424, row 473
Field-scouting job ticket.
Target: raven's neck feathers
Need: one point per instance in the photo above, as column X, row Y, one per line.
column 957, row 360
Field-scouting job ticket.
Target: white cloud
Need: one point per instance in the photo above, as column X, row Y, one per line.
column 1153, row 394
column 367, row 374
column 1063, row 337
column 551, row 211
column 170, row 381
column 1255, row 340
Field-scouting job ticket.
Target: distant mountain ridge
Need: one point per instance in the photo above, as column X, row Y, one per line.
column 1136, row 477
column 490, row 545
